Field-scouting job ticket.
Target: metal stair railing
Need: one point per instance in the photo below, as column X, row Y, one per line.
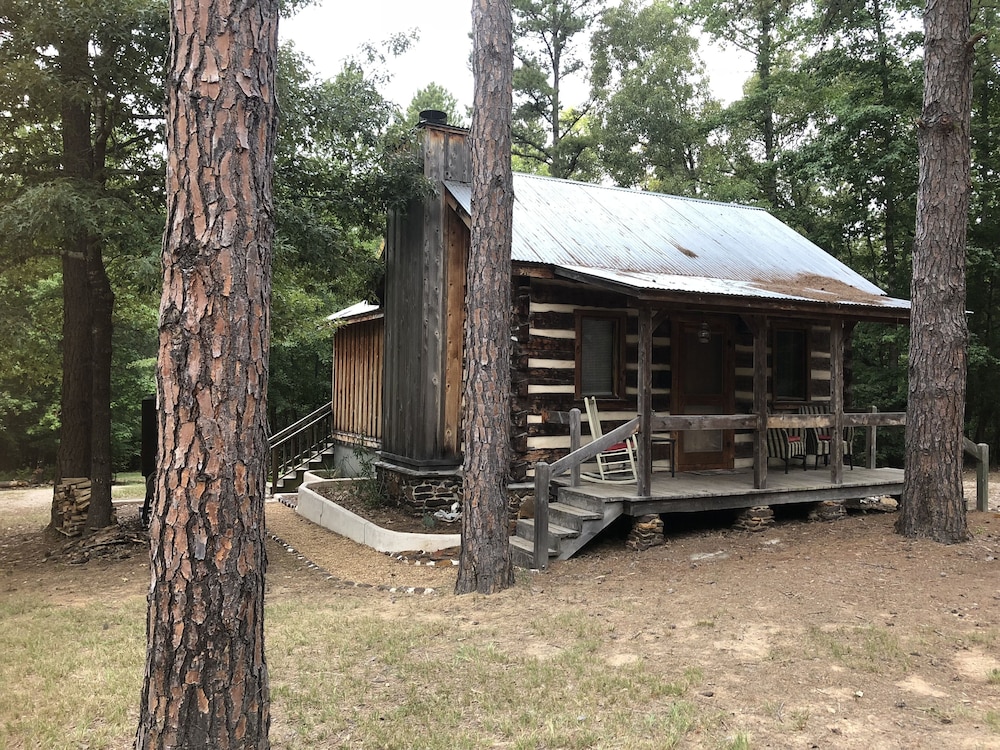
column 294, row 446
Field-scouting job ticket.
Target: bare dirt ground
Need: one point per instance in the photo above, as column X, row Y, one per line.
column 836, row 635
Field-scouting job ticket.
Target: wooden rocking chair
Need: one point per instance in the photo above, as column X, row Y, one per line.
column 617, row 463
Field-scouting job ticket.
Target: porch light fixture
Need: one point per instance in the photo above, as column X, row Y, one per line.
column 704, row 334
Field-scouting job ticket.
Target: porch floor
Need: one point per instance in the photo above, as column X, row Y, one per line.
column 691, row 492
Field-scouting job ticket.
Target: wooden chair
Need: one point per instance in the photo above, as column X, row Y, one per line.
column 786, row 444
column 617, row 463
column 819, row 439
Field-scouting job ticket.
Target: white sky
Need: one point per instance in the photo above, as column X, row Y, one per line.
column 332, row 30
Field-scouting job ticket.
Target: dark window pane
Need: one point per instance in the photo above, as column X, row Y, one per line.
column 791, row 364
column 598, row 356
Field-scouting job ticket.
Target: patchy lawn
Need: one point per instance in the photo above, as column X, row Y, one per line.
column 827, row 635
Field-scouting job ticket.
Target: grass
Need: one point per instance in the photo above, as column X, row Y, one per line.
column 128, row 485
column 70, row 675
column 865, row 649
column 423, row 686
column 993, row 677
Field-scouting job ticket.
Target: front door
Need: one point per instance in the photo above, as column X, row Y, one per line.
column 702, row 383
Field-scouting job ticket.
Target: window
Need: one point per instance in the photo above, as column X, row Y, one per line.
column 791, row 364
column 600, row 360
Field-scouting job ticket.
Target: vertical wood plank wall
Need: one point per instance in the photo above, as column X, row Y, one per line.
column 357, row 383
column 419, row 389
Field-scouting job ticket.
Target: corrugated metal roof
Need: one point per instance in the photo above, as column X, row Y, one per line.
column 667, row 243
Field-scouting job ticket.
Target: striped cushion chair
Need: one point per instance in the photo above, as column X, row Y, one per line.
column 819, row 439
column 786, row 445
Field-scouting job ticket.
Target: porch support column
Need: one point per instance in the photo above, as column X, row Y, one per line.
column 758, row 325
column 837, row 400
column 644, row 480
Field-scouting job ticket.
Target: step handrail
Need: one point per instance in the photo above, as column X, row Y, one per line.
column 545, row 473
column 294, row 446
column 307, row 421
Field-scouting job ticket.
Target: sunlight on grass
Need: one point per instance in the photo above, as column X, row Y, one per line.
column 992, row 719
column 129, row 485
column 69, row 676
column 430, row 686
column 346, row 673
column 868, row 649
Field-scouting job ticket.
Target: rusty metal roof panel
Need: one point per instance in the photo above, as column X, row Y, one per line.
column 647, row 235
column 808, row 289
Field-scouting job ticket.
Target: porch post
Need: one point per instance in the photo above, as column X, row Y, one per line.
column 758, row 325
column 644, row 480
column 837, row 400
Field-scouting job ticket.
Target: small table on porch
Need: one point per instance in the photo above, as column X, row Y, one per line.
column 671, row 444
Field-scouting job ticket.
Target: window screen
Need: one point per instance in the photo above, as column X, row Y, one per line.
column 599, row 356
column 791, row 364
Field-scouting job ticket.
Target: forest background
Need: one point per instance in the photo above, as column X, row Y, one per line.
column 822, row 136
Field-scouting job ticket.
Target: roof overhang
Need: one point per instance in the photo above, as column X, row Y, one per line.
column 356, row 313
column 765, row 297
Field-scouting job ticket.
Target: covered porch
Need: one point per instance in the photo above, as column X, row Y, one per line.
column 700, row 491
column 723, row 486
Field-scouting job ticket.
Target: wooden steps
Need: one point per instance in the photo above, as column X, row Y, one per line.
column 574, row 520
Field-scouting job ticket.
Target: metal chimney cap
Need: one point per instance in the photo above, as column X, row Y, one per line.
column 433, row 117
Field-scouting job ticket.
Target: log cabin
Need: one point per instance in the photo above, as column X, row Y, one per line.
column 705, row 322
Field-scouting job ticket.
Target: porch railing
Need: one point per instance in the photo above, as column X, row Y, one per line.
column 571, row 462
column 296, row 444
column 545, row 472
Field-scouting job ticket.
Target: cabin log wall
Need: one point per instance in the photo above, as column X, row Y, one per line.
column 544, row 361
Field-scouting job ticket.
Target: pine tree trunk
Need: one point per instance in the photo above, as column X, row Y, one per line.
column 206, row 682
column 99, row 514
column 73, row 456
column 485, row 564
column 932, row 503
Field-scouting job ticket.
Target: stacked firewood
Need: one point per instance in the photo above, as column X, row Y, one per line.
column 72, row 502
column 647, row 531
column 756, row 518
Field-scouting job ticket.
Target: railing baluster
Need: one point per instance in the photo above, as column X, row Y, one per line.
column 541, row 547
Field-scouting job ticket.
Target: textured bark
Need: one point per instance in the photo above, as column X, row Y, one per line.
column 73, row 456
column 88, row 303
column 485, row 564
column 933, row 504
column 100, row 511
column 206, row 680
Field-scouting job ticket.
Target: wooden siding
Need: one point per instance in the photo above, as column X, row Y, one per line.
column 421, row 389
column 357, row 383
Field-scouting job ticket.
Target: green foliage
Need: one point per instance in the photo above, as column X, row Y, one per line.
column 118, row 83
column 433, row 96
column 30, row 372
column 983, row 252
column 369, row 487
column 548, row 136
column 344, row 156
column 651, row 99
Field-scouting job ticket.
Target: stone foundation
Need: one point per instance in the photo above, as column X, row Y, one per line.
column 827, row 510
column 421, row 493
column 756, row 518
column 647, row 531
